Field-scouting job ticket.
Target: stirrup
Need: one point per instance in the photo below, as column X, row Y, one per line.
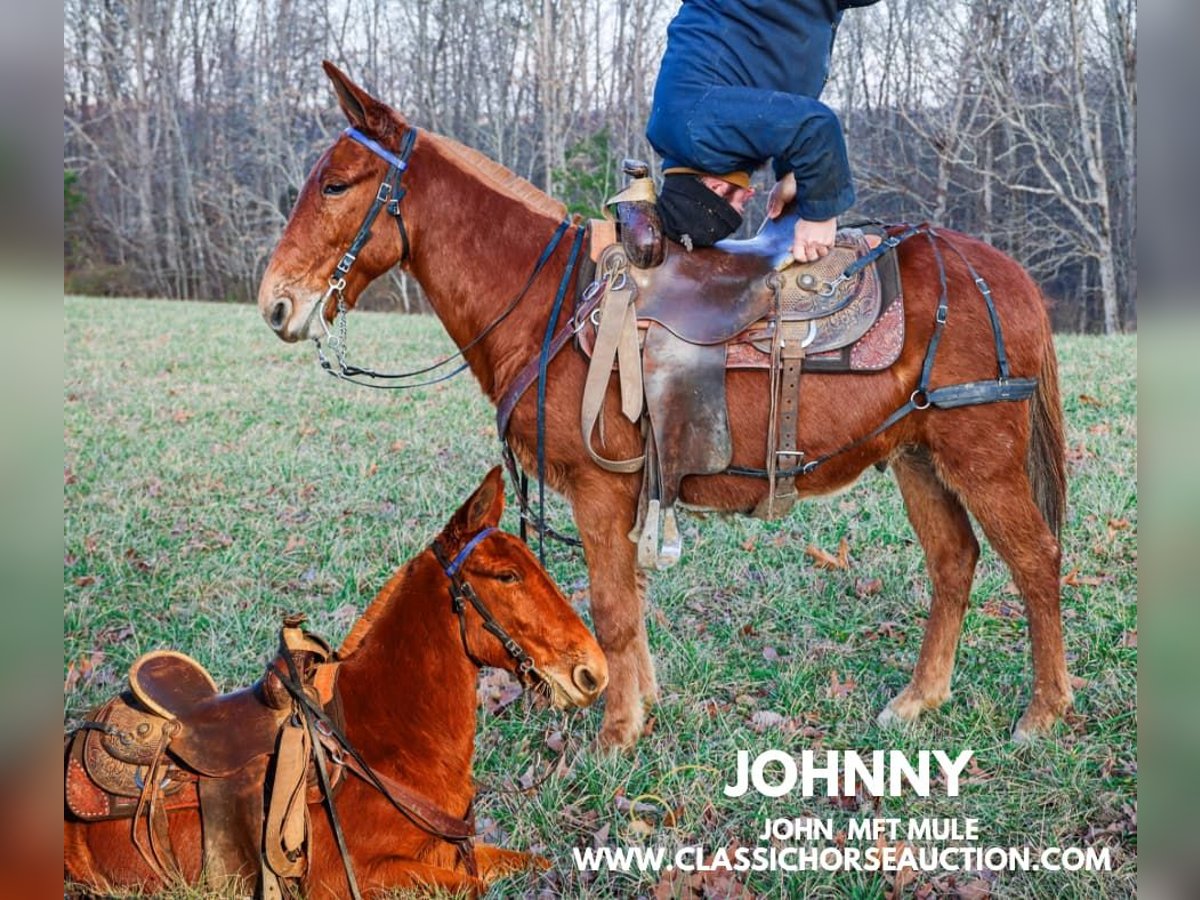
column 659, row 545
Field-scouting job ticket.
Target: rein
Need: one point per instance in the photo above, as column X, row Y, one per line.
column 327, row 735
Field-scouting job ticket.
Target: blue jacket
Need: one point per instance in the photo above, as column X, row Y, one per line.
column 739, row 84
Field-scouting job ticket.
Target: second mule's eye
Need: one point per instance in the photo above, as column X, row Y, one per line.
column 508, row 577
column 334, row 188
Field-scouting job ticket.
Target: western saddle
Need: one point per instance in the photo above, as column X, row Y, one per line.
column 671, row 324
column 172, row 741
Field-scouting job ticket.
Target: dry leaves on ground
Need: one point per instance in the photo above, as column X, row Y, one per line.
column 823, row 559
column 497, row 690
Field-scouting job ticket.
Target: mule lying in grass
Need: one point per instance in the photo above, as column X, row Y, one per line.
column 405, row 681
column 470, row 231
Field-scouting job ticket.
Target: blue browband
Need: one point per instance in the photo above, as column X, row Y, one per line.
column 456, row 563
column 377, row 148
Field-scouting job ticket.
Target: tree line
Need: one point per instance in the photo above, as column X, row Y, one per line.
column 190, row 124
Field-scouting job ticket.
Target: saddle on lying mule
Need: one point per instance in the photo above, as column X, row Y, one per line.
column 172, row 741
column 673, row 331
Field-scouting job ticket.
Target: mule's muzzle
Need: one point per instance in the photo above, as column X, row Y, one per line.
column 589, row 682
column 278, row 313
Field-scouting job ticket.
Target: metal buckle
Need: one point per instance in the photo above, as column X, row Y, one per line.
column 831, row 286
column 913, row 399
column 592, row 289
column 384, row 192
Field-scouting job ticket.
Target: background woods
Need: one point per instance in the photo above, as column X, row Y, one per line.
column 190, row 124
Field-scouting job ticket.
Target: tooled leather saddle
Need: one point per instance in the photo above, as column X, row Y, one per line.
column 172, row 741
column 672, row 330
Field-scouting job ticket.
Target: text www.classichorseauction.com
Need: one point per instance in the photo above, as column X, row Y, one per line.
column 871, row 844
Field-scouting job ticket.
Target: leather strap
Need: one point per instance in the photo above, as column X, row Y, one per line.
column 439, row 821
column 156, row 850
column 528, row 375
column 311, row 714
column 787, row 363
column 287, row 816
column 616, row 335
column 783, row 492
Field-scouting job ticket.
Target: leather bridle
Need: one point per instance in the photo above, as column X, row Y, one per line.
column 390, row 193
column 388, row 196
column 462, row 595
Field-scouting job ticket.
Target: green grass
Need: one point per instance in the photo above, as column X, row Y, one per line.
column 214, row 478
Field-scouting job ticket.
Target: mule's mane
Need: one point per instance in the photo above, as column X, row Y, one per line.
column 501, row 178
column 390, row 592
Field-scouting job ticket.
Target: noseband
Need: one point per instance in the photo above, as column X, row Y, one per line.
column 461, row 594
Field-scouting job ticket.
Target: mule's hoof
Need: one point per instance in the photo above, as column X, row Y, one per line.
column 1040, row 717
column 889, row 718
column 615, row 737
column 1031, row 728
column 1022, row 736
column 905, row 708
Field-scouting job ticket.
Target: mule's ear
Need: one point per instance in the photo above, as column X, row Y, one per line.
column 365, row 113
column 483, row 508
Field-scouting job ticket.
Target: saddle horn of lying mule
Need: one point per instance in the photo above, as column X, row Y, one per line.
column 672, row 331
column 172, row 741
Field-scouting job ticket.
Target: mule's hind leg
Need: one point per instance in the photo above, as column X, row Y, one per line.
column 996, row 490
column 951, row 552
column 604, row 514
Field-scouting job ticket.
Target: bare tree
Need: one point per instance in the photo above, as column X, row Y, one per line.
column 190, row 124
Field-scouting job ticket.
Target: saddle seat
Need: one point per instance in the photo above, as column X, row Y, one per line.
column 710, row 296
column 218, row 734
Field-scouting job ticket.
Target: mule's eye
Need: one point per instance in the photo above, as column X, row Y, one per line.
column 508, row 577
column 334, row 188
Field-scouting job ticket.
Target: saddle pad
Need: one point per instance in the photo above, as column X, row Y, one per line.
column 876, row 350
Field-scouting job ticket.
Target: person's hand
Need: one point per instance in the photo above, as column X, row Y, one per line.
column 813, row 240
column 781, row 195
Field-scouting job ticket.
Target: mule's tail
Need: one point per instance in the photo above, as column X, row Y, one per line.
column 1045, row 461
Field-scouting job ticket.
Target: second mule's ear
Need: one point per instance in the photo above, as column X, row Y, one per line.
column 368, row 115
column 483, row 508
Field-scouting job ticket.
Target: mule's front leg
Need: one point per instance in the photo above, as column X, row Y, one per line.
column 604, row 513
column 496, row 862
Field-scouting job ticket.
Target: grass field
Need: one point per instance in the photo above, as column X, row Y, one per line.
column 214, row 478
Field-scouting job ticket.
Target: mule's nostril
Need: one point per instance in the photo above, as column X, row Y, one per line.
column 586, row 681
column 279, row 314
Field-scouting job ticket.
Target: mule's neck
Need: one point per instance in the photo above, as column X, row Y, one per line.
column 408, row 689
column 477, row 243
